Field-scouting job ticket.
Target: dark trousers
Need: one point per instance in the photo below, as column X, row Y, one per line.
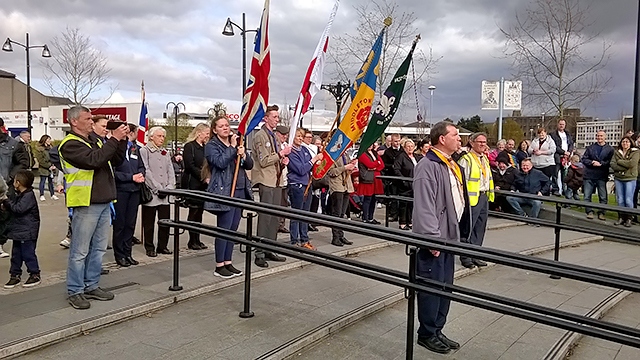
column 195, row 215
column 44, row 179
column 550, row 171
column 338, row 207
column 124, row 225
column 267, row 224
column 229, row 220
column 589, row 187
column 405, row 213
column 149, row 223
column 479, row 216
column 391, row 189
column 368, row 207
column 432, row 309
column 23, row 252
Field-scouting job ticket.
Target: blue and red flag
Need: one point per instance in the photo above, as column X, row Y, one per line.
column 256, row 97
column 143, row 124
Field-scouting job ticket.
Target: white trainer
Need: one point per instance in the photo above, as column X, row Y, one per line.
column 42, row 198
column 54, row 197
column 65, row 243
column 3, row 254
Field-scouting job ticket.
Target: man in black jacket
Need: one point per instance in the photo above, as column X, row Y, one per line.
column 83, row 156
column 504, row 178
column 564, row 148
column 390, row 187
column 529, row 181
column 596, row 159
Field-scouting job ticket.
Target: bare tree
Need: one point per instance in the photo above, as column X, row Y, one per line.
column 556, row 55
column 78, row 69
column 348, row 51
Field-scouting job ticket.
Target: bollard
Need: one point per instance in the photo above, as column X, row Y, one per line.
column 246, row 312
column 556, row 249
column 411, row 305
column 176, row 249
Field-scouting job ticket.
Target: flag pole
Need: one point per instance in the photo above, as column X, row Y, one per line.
column 235, row 172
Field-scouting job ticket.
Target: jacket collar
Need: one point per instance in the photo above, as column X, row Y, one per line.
column 433, row 157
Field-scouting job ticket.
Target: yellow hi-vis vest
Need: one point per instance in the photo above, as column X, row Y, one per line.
column 473, row 181
column 79, row 181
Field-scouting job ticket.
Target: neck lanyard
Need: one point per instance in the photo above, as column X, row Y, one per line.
column 452, row 166
column 484, row 171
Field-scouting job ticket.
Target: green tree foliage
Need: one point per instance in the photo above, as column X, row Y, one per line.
column 510, row 130
column 473, row 124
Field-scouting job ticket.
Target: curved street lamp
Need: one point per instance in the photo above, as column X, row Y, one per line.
column 431, row 88
column 8, row 46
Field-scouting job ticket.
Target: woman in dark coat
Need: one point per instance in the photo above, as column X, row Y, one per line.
column 222, row 152
column 370, row 165
column 45, row 167
column 403, row 166
column 193, row 157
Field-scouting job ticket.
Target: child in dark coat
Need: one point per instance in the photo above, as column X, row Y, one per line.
column 23, row 230
column 574, row 178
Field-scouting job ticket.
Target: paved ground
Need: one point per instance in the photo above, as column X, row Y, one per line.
column 286, row 305
column 625, row 313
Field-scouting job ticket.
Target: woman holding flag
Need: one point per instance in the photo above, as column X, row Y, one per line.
column 221, row 153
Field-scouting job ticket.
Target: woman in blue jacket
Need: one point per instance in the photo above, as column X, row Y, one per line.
column 222, row 152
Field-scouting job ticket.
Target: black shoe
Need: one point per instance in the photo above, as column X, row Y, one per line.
column 346, row 242
column 33, row 280
column 223, row 272
column 123, row 262
column 450, row 343
column 164, row 251
column 434, row 344
column 151, row 253
column 109, row 247
column 375, row 222
column 136, row 241
column 233, row 270
column 194, row 247
column 104, row 271
column 132, row 261
column 203, row 246
column 478, row 263
column 283, row 230
column 337, row 242
column 99, row 294
column 312, row 228
column 13, row 281
column 261, row 262
column 79, row 302
column 275, row 257
column 468, row 264
column 393, row 218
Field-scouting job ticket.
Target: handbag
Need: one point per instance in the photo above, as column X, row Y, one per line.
column 145, row 194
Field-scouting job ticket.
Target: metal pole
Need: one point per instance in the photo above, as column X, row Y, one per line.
column 556, row 249
column 501, row 106
column 175, row 140
column 246, row 312
column 28, row 86
column 636, row 83
column 176, row 250
column 431, row 109
column 338, row 106
column 411, row 304
column 244, row 56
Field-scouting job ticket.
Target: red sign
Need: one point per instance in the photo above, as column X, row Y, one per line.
column 112, row 113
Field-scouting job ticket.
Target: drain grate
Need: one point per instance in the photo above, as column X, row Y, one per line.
column 121, row 286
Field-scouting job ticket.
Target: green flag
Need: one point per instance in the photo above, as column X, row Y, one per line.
column 388, row 105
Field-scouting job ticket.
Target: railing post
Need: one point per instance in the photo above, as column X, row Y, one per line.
column 386, row 214
column 246, row 312
column 411, row 304
column 556, row 249
column 176, row 249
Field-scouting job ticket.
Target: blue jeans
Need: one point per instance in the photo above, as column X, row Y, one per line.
column 368, row 207
column 515, row 202
column 44, row 179
column 24, row 252
column 89, row 236
column 299, row 230
column 624, row 192
column 589, row 186
column 569, row 193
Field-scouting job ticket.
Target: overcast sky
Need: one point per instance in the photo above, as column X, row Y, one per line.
column 178, row 49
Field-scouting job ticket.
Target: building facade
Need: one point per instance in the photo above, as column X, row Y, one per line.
column 530, row 124
column 615, row 129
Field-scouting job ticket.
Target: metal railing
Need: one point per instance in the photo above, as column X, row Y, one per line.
column 410, row 281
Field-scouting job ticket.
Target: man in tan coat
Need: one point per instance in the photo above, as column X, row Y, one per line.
column 340, row 186
column 269, row 158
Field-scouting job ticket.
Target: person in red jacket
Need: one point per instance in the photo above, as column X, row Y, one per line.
column 370, row 165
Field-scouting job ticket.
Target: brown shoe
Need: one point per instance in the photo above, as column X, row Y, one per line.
column 590, row 215
column 601, row 217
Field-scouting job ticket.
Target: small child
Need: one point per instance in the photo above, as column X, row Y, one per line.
column 23, row 230
column 574, row 178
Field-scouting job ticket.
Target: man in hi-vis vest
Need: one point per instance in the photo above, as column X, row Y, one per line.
column 87, row 166
column 479, row 181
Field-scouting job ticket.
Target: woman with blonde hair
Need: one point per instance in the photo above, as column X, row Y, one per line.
column 193, row 157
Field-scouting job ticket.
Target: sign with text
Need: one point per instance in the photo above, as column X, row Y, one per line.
column 18, row 119
column 112, row 113
column 490, row 94
column 512, row 95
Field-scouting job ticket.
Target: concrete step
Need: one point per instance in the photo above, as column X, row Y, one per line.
column 305, row 301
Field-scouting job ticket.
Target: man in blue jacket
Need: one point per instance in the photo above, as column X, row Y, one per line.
column 596, row 160
column 529, row 181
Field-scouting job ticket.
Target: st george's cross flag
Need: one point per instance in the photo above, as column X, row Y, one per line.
column 313, row 78
column 256, row 96
column 143, row 123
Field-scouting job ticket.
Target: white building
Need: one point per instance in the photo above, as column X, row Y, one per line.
column 615, row 129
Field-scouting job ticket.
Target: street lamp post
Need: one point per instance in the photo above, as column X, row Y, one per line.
column 7, row 46
column 228, row 31
column 176, row 108
column 338, row 90
column 431, row 88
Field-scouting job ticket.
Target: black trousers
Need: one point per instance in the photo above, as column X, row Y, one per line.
column 267, row 224
column 124, row 224
column 24, row 252
column 149, row 223
column 339, row 202
column 432, row 309
column 195, row 215
column 479, row 216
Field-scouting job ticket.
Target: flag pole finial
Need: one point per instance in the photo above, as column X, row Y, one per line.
column 417, row 38
column 388, row 21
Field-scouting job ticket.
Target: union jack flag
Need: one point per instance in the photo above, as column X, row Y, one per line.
column 143, row 124
column 256, row 97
